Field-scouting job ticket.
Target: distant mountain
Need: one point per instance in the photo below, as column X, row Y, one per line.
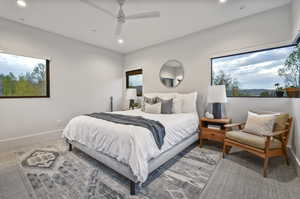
column 257, row 92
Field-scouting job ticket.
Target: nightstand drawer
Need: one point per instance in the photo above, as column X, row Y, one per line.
column 212, row 129
column 212, row 134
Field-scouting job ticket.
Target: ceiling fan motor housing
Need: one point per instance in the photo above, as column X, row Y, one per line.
column 121, row 16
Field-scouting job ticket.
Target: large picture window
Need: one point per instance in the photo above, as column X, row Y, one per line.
column 134, row 79
column 264, row 73
column 23, row 77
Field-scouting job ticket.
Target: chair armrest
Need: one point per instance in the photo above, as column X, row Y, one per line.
column 240, row 125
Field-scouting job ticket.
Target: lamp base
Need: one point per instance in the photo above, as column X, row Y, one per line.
column 217, row 110
column 131, row 104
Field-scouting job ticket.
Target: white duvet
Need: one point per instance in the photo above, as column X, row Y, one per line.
column 131, row 145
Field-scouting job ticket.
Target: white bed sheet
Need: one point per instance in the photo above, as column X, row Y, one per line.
column 131, row 145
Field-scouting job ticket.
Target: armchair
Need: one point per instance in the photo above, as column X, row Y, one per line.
column 264, row 145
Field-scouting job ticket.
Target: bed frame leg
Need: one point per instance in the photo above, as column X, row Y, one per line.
column 133, row 188
column 70, row 147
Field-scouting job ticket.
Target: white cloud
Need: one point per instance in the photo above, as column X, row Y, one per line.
column 17, row 64
column 254, row 70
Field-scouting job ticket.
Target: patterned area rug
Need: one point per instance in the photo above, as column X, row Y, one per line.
column 54, row 173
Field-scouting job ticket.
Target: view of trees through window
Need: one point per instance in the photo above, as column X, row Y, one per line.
column 22, row 76
column 266, row 73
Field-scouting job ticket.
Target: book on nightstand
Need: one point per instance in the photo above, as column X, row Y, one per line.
column 214, row 127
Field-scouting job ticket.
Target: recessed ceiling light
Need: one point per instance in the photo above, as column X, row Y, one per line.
column 22, row 3
column 222, row 1
column 120, row 41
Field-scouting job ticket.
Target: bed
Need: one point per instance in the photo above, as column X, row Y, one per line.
column 131, row 150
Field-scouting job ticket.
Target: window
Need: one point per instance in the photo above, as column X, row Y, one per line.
column 23, row 77
column 263, row 73
column 134, row 79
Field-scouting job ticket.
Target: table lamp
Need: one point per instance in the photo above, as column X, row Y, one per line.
column 131, row 95
column 217, row 96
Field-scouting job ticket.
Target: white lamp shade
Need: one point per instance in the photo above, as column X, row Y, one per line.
column 131, row 94
column 217, row 94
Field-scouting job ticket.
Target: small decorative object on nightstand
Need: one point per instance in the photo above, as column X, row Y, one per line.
column 212, row 129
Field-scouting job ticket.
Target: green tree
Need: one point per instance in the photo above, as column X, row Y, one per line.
column 225, row 79
column 31, row 84
column 291, row 69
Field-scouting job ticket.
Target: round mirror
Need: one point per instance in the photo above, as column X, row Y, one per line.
column 172, row 73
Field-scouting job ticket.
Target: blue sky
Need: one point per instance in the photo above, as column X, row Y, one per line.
column 254, row 70
column 136, row 80
column 17, row 64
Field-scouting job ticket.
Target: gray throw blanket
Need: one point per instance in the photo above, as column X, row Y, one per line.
column 156, row 128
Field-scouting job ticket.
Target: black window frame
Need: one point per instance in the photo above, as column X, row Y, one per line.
column 47, row 86
column 248, row 52
column 131, row 73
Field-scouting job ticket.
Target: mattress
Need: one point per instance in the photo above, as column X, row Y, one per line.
column 131, row 145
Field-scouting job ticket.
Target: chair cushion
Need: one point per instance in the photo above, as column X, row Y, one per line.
column 281, row 119
column 260, row 124
column 252, row 140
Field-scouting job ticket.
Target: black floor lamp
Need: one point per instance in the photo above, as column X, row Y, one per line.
column 217, row 96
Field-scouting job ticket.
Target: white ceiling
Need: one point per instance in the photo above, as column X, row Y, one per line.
column 74, row 19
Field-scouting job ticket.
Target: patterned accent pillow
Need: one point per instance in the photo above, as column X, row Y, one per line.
column 153, row 108
column 148, row 101
column 166, row 106
column 260, row 124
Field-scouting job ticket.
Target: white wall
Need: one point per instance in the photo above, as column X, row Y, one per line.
column 296, row 136
column 296, row 18
column 82, row 77
column 264, row 30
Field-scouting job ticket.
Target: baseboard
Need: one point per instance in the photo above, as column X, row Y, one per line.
column 295, row 160
column 12, row 144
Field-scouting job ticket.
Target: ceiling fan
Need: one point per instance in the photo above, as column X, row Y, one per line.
column 120, row 16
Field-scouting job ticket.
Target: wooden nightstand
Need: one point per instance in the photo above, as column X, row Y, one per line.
column 212, row 129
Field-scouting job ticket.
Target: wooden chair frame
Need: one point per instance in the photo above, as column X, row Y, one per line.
column 265, row 153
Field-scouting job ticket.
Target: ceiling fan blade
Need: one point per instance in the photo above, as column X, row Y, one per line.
column 119, row 29
column 153, row 14
column 94, row 5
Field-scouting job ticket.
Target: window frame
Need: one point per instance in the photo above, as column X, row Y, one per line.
column 133, row 72
column 248, row 52
column 47, row 85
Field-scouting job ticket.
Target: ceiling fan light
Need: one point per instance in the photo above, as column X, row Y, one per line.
column 22, row 3
column 222, row 1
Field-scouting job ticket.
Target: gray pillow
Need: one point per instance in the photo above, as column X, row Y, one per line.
column 166, row 106
column 149, row 101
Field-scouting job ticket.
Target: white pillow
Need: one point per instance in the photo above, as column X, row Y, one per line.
column 189, row 102
column 177, row 106
column 260, row 124
column 164, row 96
column 153, row 108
